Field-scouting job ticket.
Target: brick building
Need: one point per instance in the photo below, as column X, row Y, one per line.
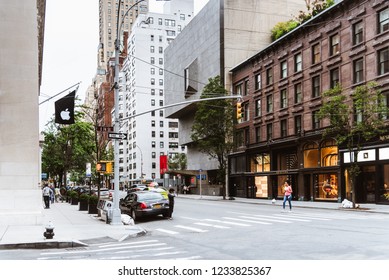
column 280, row 136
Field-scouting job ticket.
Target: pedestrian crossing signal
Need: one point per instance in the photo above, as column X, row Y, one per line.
column 101, row 167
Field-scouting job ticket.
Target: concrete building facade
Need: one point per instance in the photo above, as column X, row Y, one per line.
column 281, row 135
column 21, row 52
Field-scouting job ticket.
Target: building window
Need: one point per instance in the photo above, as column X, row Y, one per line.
column 153, row 134
column 160, row 61
column 316, row 53
column 257, row 134
column 153, row 165
column 246, row 87
column 160, row 71
column 152, row 81
column 315, row 120
column 284, row 69
column 383, row 61
column 152, row 144
column 297, row 125
column 160, row 123
column 152, row 102
column 161, row 92
column 161, row 134
column 152, row 91
column 152, row 123
column 284, row 131
column 298, row 63
column 357, row 33
column 152, row 71
column 246, row 115
column 160, row 103
column 358, row 71
column 153, row 154
column 383, row 21
column 269, row 104
column 316, row 86
column 161, row 145
column 386, row 103
column 161, row 82
column 159, row 21
column 152, row 60
column 258, row 111
column 334, row 77
column 152, row 49
column 257, row 81
column 284, row 98
column 269, row 76
column 298, row 94
column 269, row 131
column 238, row 89
column 334, row 44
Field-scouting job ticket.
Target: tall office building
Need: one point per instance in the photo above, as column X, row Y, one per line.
column 151, row 136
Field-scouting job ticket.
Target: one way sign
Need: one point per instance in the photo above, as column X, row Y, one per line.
column 117, row 136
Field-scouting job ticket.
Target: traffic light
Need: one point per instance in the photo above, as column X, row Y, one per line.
column 239, row 111
column 101, row 167
column 109, row 167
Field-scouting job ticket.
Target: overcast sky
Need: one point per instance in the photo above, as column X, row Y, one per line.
column 70, row 48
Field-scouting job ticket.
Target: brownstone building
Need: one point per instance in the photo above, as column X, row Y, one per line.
column 280, row 136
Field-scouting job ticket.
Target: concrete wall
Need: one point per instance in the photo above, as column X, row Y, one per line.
column 21, row 200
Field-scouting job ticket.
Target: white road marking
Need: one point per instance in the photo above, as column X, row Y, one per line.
column 191, row 228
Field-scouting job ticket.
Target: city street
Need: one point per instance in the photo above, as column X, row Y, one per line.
column 221, row 230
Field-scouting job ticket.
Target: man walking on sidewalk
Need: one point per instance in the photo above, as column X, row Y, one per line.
column 46, row 196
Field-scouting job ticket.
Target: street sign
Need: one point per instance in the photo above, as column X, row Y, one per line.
column 117, row 136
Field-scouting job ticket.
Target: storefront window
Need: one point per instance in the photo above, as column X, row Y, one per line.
column 311, row 155
column 329, row 153
column 261, row 186
column 260, row 163
column 326, row 186
column 280, row 183
column 384, row 197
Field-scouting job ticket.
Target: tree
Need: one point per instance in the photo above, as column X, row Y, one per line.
column 212, row 129
column 178, row 162
column 67, row 148
column 368, row 110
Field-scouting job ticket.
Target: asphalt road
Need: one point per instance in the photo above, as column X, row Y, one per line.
column 223, row 230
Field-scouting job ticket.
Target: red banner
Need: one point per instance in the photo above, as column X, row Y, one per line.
column 163, row 164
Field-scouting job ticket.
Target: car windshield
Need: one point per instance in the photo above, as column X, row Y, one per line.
column 149, row 196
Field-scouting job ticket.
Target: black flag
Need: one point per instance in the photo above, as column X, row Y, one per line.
column 64, row 109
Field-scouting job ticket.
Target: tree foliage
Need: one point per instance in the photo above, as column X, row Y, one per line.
column 67, row 148
column 212, row 129
column 367, row 113
column 314, row 7
column 178, row 162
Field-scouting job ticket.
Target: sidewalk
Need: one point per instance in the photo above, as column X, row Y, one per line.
column 74, row 228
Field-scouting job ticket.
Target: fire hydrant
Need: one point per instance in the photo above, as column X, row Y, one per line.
column 49, row 233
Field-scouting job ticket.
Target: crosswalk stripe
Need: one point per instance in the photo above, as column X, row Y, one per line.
column 230, row 223
column 167, row 231
column 209, row 225
column 144, row 250
column 127, row 243
column 283, row 217
column 191, row 228
column 309, row 217
column 247, row 221
column 267, row 219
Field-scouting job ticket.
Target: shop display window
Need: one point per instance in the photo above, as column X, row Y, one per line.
column 326, row 186
column 311, row 155
column 260, row 163
column 384, row 190
column 261, row 185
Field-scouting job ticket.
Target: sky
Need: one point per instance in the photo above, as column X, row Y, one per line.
column 70, row 49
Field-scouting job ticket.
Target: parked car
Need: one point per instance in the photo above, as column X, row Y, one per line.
column 144, row 203
column 104, row 193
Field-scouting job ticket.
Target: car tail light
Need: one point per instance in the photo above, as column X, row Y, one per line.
column 143, row 205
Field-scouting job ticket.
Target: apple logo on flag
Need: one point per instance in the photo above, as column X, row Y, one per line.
column 65, row 115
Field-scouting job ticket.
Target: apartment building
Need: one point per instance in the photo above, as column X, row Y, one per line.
column 222, row 34
column 281, row 136
column 152, row 138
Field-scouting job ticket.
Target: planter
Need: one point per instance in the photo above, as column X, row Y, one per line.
column 74, row 201
column 92, row 209
column 83, row 206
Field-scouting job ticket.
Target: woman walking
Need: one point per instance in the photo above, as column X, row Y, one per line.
column 287, row 195
column 171, row 196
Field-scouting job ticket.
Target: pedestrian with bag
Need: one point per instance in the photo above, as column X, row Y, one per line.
column 287, row 189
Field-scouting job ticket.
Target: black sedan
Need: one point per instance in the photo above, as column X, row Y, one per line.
column 143, row 203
